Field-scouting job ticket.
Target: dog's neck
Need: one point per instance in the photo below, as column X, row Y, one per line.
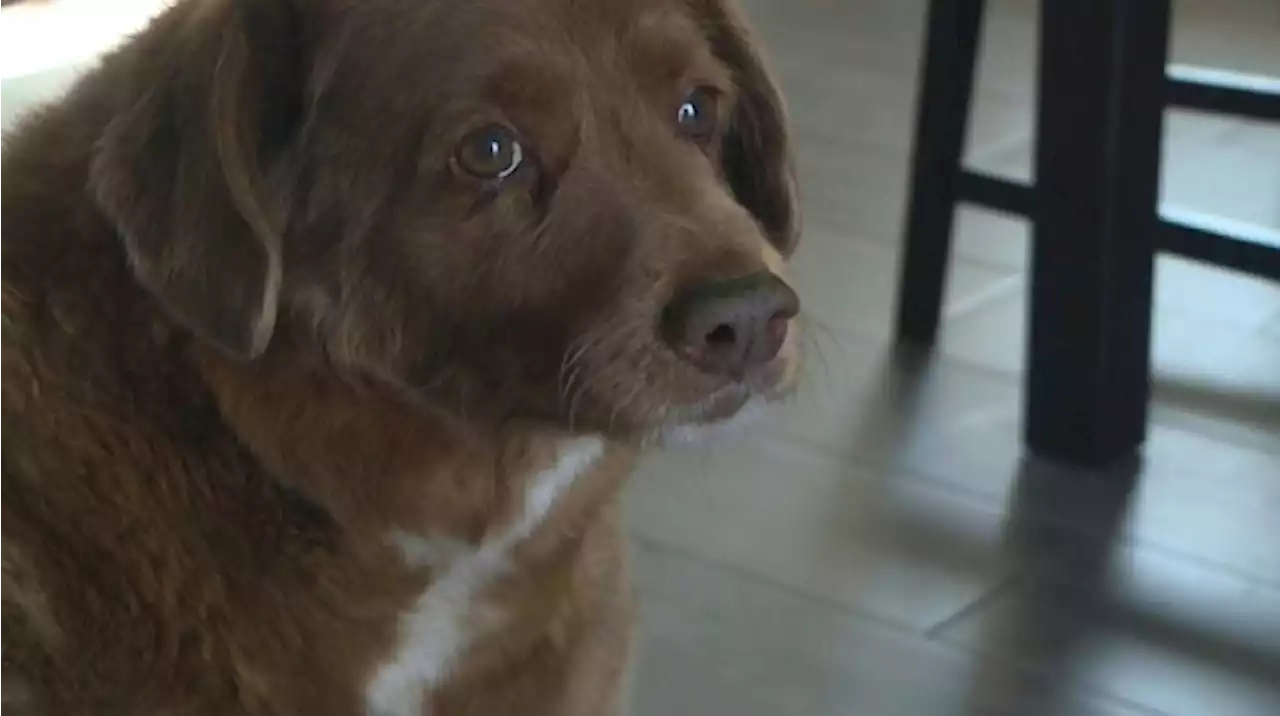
column 380, row 464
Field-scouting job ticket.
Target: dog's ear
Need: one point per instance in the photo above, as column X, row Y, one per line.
column 756, row 152
column 211, row 94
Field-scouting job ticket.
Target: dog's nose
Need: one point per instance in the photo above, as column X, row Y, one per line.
column 730, row 327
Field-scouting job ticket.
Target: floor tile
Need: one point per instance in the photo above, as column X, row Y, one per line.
column 817, row 525
column 715, row 643
column 1158, row 632
column 1204, row 491
column 1212, row 367
column 849, row 285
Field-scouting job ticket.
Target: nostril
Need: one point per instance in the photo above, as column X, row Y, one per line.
column 776, row 327
column 730, row 328
column 722, row 335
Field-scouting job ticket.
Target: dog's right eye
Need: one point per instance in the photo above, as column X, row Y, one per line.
column 490, row 153
column 696, row 116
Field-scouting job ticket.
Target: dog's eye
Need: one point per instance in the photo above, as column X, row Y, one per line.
column 490, row 153
column 696, row 118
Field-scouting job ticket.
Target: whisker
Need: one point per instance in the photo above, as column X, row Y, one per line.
column 571, row 354
column 812, row 337
column 623, row 405
column 571, row 369
column 575, row 397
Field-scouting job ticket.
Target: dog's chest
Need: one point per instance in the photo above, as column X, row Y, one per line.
column 449, row 616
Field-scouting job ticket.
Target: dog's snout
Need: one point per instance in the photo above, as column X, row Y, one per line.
column 730, row 327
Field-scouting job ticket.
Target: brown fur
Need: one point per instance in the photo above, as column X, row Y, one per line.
column 253, row 322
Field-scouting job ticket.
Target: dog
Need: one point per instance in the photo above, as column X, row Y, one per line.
column 332, row 328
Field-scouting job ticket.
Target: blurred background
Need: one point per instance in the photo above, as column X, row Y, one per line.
column 881, row 547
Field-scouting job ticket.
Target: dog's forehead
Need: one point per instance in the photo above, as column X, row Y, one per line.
column 431, row 68
column 582, row 22
column 646, row 37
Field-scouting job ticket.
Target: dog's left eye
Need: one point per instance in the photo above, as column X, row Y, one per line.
column 696, row 117
column 490, row 152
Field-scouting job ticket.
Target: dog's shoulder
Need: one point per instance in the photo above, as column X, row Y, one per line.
column 114, row 457
column 63, row 270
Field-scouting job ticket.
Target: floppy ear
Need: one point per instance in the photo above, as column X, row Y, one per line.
column 756, row 152
column 211, row 95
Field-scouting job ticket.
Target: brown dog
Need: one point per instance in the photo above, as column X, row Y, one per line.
column 331, row 328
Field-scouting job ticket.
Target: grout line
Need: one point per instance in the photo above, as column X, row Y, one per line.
column 873, row 621
column 996, row 148
column 991, row 292
column 848, row 339
column 978, row 498
column 743, row 573
column 999, row 590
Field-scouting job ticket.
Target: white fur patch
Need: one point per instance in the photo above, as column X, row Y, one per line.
column 681, row 435
column 434, row 633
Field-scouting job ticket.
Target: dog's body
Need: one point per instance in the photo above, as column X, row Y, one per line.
column 296, row 426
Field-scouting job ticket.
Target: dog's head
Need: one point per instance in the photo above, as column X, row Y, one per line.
column 571, row 211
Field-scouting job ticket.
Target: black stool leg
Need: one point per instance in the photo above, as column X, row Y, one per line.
column 1102, row 79
column 942, row 113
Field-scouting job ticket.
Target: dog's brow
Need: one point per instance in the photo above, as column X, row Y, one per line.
column 669, row 45
column 527, row 78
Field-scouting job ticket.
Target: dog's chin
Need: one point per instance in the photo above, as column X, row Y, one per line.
column 723, row 426
column 727, row 412
column 723, row 415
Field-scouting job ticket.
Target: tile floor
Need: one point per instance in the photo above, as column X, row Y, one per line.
column 881, row 547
